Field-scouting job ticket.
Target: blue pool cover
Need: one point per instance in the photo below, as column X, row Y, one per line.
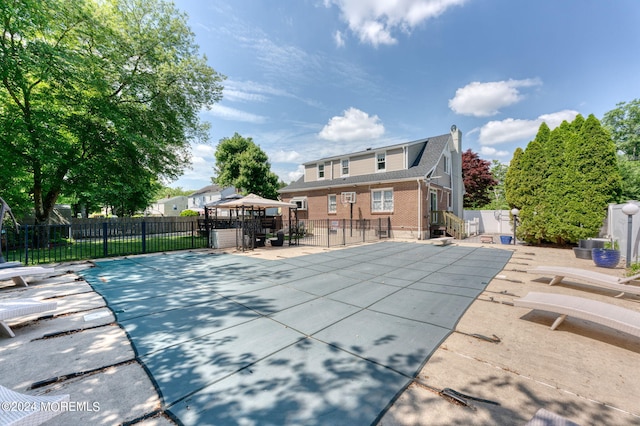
column 330, row 338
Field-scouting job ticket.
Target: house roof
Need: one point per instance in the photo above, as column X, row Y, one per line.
column 206, row 190
column 178, row 198
column 425, row 161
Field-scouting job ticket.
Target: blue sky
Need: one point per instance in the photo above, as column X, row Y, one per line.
column 312, row 78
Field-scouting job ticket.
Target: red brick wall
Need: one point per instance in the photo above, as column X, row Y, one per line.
column 405, row 202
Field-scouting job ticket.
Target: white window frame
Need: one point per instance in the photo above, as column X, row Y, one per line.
column 447, row 164
column 342, row 167
column 334, row 204
column 384, row 162
column 384, row 207
column 321, row 169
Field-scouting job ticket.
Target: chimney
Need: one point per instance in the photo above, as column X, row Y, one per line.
column 456, row 136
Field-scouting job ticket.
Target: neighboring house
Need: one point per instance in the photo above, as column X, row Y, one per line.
column 405, row 182
column 167, row 206
column 206, row 195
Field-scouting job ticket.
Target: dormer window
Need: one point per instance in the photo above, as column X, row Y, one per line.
column 344, row 167
column 381, row 162
column 320, row 171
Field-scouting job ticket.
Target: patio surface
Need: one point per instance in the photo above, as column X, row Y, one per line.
column 289, row 335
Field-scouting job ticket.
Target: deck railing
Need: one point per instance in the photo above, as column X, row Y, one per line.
column 449, row 222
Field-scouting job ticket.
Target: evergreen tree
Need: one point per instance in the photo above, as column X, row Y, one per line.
column 597, row 179
column 533, row 169
column 512, row 181
column 563, row 182
column 558, row 186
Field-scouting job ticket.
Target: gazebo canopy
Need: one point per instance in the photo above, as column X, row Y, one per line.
column 254, row 202
column 223, row 200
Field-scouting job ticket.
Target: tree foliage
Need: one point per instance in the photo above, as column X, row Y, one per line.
column 478, row 180
column 623, row 122
column 563, row 181
column 99, row 99
column 242, row 164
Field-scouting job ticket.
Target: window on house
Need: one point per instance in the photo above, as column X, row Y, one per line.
column 332, row 203
column 382, row 200
column 320, row 171
column 381, row 161
column 447, row 164
column 345, row 167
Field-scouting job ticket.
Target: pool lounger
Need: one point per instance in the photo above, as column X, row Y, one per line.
column 613, row 316
column 17, row 274
column 14, row 308
column 596, row 279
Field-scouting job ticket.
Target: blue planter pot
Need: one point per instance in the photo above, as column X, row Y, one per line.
column 505, row 239
column 605, row 258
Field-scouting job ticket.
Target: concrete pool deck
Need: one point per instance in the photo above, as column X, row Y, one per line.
column 582, row 371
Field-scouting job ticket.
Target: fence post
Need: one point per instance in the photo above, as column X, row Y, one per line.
column 363, row 230
column 105, row 249
column 26, row 244
column 379, row 228
column 144, row 236
column 344, row 232
column 328, row 234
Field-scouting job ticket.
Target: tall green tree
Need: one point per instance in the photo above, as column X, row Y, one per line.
column 630, row 172
column 528, row 181
column 623, row 122
column 241, row 163
column 98, row 95
column 558, row 185
column 514, row 182
column 564, row 182
column 499, row 173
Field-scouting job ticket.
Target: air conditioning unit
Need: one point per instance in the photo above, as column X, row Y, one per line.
column 300, row 202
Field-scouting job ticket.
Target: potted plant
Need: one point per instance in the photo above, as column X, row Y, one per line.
column 607, row 257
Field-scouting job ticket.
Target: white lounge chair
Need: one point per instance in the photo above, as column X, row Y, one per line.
column 17, row 274
column 20, row 307
column 20, row 409
column 593, row 278
column 613, row 316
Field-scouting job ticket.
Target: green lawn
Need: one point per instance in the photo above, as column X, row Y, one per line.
column 95, row 248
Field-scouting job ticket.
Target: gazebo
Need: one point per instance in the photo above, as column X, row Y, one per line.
column 250, row 232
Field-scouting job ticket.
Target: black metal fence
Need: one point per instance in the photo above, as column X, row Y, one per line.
column 90, row 239
column 339, row 232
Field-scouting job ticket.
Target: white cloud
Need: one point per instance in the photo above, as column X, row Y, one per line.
column 232, row 114
column 199, row 174
column 510, row 129
column 285, row 157
column 375, row 21
column 337, row 37
column 239, row 96
column 488, row 151
column 353, row 125
column 294, row 176
column 486, row 99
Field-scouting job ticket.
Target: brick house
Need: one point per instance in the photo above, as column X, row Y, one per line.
column 412, row 183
